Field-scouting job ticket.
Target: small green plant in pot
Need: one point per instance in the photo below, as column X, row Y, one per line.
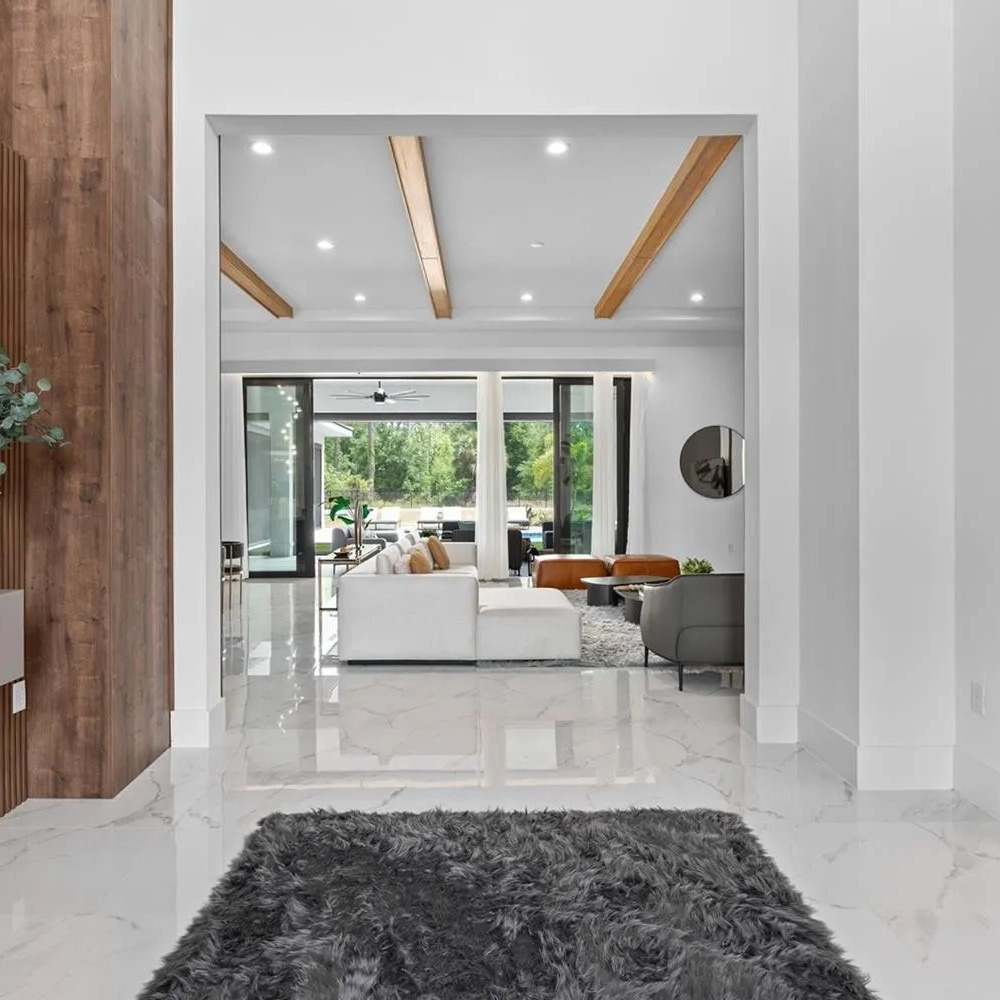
column 692, row 567
column 20, row 409
column 352, row 512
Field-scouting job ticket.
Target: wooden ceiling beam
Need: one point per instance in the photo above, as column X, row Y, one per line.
column 411, row 171
column 701, row 164
column 243, row 275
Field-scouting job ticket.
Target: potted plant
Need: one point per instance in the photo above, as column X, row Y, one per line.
column 694, row 566
column 20, row 409
column 351, row 512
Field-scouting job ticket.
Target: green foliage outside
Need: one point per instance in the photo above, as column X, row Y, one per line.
column 421, row 463
column 433, row 463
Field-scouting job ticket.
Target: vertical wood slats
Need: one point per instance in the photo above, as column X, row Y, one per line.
column 13, row 752
column 13, row 194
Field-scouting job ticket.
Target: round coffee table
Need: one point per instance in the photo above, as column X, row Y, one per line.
column 601, row 589
column 631, row 603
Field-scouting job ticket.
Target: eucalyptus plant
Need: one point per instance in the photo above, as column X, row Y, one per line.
column 20, row 409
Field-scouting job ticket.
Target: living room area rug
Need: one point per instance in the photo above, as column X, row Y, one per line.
column 629, row 905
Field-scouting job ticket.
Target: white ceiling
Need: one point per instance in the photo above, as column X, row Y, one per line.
column 492, row 196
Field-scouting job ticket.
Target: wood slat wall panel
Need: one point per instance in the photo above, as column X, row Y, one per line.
column 88, row 106
column 13, row 752
column 13, row 192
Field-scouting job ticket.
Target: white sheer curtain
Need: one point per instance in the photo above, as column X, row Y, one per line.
column 602, row 539
column 234, row 464
column 491, row 479
column 638, row 528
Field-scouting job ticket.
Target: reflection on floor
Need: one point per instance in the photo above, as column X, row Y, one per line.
column 93, row 893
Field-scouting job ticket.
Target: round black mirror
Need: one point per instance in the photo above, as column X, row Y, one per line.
column 713, row 462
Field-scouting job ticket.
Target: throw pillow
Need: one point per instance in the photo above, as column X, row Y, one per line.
column 386, row 560
column 438, row 553
column 402, row 566
column 419, row 563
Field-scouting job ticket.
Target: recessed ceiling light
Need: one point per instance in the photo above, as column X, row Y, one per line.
column 556, row 147
column 360, row 297
column 325, row 244
column 536, row 244
column 526, row 296
column 697, row 297
column 262, row 148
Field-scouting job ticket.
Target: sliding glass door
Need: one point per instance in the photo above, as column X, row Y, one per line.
column 573, row 455
column 280, row 487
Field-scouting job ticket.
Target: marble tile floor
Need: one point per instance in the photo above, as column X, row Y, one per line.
column 93, row 893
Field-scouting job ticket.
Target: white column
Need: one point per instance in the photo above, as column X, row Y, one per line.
column 906, row 455
column 877, row 405
column 491, row 479
column 605, row 496
column 977, row 360
column 197, row 714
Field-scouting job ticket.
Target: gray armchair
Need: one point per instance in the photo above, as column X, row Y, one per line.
column 695, row 621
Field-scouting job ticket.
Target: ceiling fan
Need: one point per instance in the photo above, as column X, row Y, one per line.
column 381, row 397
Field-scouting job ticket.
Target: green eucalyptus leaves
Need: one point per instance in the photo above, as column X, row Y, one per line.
column 20, row 406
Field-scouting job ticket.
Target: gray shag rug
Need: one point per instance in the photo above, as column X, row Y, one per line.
column 634, row 905
column 606, row 639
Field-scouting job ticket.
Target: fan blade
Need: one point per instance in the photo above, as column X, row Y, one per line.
column 353, row 395
column 416, row 395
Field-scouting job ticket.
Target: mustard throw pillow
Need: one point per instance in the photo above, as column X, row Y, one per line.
column 438, row 552
column 419, row 563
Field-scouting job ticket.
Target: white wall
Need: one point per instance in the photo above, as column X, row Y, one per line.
column 977, row 361
column 828, row 373
column 234, row 57
column 877, row 402
column 691, row 388
column 907, row 440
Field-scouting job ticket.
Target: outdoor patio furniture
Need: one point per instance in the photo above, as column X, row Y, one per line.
column 517, row 517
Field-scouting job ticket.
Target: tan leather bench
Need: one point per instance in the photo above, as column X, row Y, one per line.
column 639, row 565
column 564, row 572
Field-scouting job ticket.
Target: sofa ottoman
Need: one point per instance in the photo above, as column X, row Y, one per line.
column 639, row 565
column 520, row 623
column 564, row 572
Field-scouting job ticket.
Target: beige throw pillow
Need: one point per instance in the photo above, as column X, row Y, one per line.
column 419, row 563
column 438, row 553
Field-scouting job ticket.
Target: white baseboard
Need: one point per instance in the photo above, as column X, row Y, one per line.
column 978, row 782
column 829, row 745
column 769, row 723
column 195, row 728
column 906, row 768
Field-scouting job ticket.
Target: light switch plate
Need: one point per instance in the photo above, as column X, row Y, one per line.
column 19, row 697
column 978, row 699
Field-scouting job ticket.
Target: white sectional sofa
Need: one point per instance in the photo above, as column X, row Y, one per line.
column 445, row 616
